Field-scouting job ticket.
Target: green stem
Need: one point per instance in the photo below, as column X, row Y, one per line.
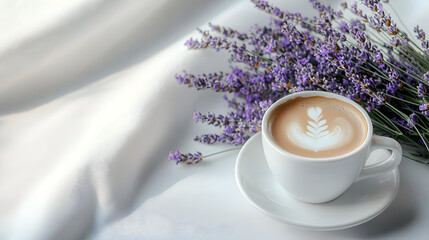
column 412, row 157
column 421, row 137
column 411, row 75
column 378, row 70
column 260, row 56
column 418, row 58
column 410, row 142
column 387, row 78
column 402, row 39
column 403, row 100
column 382, row 49
column 387, row 120
column 216, row 153
column 410, row 56
column 384, row 127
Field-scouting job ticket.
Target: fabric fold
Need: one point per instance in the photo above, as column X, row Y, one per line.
column 80, row 126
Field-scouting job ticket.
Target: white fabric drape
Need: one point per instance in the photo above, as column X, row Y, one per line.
column 87, row 97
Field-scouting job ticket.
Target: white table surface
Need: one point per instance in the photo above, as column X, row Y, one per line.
column 86, row 129
column 204, row 202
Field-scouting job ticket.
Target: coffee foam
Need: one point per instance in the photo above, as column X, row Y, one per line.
column 317, row 127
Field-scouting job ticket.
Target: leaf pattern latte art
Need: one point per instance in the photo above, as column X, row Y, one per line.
column 316, row 128
column 317, row 135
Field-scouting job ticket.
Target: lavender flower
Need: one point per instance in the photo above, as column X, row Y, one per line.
column 421, row 90
column 187, row 158
column 384, row 71
column 412, row 120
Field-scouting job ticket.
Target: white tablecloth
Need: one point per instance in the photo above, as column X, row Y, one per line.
column 89, row 110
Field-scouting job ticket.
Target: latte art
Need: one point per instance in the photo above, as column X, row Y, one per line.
column 318, row 135
column 317, row 127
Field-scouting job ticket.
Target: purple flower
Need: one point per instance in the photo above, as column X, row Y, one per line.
column 325, row 53
column 424, row 107
column 421, row 90
column 412, row 120
column 421, row 35
column 391, row 88
column 187, row 158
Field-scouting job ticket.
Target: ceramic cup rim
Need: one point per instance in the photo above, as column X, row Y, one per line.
column 306, row 94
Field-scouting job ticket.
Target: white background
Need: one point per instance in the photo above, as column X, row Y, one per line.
column 89, row 110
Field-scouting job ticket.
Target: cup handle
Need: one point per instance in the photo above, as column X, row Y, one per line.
column 379, row 142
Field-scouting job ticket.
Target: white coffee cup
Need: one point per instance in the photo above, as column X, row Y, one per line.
column 318, row 180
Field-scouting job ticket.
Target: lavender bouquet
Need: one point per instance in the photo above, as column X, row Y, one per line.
column 366, row 58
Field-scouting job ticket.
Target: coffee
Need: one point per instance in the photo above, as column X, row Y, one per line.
column 317, row 127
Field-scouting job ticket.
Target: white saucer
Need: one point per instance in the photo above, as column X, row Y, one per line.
column 363, row 201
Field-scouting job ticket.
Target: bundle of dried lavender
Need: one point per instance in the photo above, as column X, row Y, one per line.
column 367, row 59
